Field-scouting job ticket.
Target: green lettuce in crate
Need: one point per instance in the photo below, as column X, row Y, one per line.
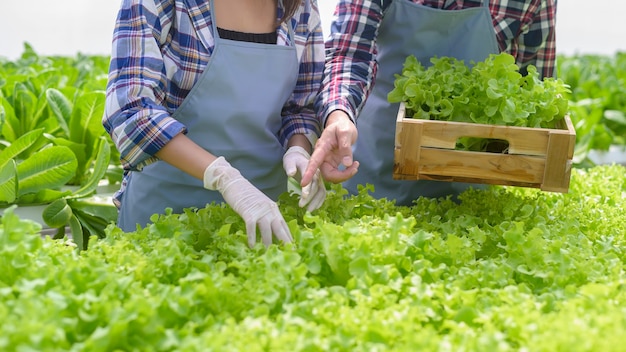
column 491, row 92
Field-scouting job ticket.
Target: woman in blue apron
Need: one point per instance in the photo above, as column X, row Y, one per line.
column 203, row 99
column 369, row 45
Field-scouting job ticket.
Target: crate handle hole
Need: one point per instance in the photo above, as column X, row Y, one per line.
column 477, row 144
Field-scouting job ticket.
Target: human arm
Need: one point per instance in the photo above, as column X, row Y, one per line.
column 295, row 161
column 528, row 35
column 255, row 208
column 298, row 113
column 350, row 66
column 135, row 115
column 301, row 127
column 350, row 58
column 333, row 151
column 147, row 82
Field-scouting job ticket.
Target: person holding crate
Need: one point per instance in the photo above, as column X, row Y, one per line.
column 368, row 45
column 212, row 101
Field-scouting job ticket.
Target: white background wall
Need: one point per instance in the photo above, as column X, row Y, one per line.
column 66, row 27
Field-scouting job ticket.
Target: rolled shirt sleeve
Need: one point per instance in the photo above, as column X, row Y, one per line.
column 524, row 29
column 136, row 113
column 160, row 48
column 299, row 115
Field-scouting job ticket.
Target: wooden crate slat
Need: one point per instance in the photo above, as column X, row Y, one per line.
column 409, row 137
column 558, row 163
column 537, row 157
column 481, row 166
column 444, row 134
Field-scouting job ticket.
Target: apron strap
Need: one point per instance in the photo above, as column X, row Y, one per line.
column 214, row 22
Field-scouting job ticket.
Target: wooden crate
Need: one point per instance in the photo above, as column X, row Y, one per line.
column 537, row 157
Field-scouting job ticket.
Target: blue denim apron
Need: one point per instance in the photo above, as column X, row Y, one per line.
column 412, row 29
column 234, row 110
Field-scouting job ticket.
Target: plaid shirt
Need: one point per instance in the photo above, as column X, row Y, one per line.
column 161, row 48
column 524, row 29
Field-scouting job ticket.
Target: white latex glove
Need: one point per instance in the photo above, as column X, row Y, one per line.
column 295, row 161
column 254, row 207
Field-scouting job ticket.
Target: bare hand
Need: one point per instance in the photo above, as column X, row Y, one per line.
column 333, row 150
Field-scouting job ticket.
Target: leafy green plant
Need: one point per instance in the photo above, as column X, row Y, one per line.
column 505, row 269
column 597, row 101
column 491, row 92
column 53, row 148
column 85, row 217
column 41, row 177
column 37, row 178
column 64, row 96
column 81, row 123
column 21, row 112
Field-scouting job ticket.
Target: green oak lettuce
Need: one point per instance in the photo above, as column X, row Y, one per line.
column 504, row 269
column 491, row 92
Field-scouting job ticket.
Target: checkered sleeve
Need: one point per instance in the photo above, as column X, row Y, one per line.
column 135, row 115
column 298, row 113
column 350, row 57
column 537, row 46
column 526, row 30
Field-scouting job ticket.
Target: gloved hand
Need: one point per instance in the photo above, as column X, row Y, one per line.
column 249, row 202
column 295, row 161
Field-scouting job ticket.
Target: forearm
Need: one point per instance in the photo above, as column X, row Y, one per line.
column 300, row 140
column 336, row 117
column 184, row 154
